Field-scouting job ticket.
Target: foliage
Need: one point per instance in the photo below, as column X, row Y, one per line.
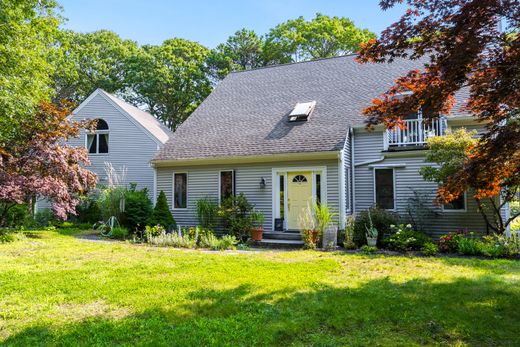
column 227, row 242
column 476, row 300
column 501, row 246
column 172, row 239
column 349, row 243
column 515, row 225
column 323, row 216
column 370, row 228
column 469, row 245
column 449, row 153
column 209, row 241
column 138, row 208
column 207, row 213
column 420, row 210
column 18, row 215
column 450, row 243
column 45, row 218
column 27, row 31
column 161, row 213
column 321, row 37
column 381, row 220
column 258, row 218
column 155, row 230
column 171, row 80
column 310, row 238
column 87, row 210
column 7, row 236
column 368, row 249
column 430, row 249
column 241, row 51
column 405, row 238
column 236, row 213
column 37, row 164
column 87, row 61
column 119, row 233
column 481, row 58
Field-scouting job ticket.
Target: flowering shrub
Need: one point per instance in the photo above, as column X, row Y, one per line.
column 404, row 238
column 450, row 243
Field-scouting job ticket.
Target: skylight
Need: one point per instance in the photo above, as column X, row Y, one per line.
column 301, row 111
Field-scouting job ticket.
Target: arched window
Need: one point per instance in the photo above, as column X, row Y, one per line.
column 97, row 141
column 299, row 179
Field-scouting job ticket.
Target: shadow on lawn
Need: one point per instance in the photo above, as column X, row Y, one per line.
column 479, row 311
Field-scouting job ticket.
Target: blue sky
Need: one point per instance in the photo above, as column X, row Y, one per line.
column 211, row 22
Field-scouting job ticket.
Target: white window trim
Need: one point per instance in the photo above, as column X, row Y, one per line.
column 96, row 133
column 173, row 190
column 393, row 181
column 220, row 183
column 465, row 209
column 275, row 187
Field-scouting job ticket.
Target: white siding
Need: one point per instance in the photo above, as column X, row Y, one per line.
column 203, row 182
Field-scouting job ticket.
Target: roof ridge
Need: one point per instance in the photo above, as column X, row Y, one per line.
column 294, row 63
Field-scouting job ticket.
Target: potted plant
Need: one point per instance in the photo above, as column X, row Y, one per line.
column 372, row 232
column 257, row 229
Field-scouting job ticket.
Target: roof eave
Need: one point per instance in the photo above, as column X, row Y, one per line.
column 246, row 159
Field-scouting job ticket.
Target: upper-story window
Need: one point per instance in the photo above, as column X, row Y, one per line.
column 97, row 141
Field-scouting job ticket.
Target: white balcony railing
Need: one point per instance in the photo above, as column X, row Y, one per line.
column 415, row 133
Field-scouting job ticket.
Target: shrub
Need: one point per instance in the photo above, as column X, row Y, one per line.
column 501, row 246
column 17, row 216
column 368, row 249
column 227, row 242
column 430, row 249
column 119, row 233
column 405, row 238
column 45, row 218
column 381, row 220
column 236, row 212
column 207, row 213
column 348, row 243
column 88, row 210
column 162, row 215
column 155, row 230
column 468, row 245
column 138, row 208
column 515, row 224
column 7, row 236
column 209, row 241
column 450, row 243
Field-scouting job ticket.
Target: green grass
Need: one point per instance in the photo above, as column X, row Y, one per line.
column 56, row 289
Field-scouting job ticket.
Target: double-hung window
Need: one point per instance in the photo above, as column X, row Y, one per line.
column 384, row 188
column 180, row 190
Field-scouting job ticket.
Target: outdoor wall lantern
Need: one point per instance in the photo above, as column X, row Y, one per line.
column 262, row 183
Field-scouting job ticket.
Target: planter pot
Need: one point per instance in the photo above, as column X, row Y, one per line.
column 372, row 241
column 256, row 234
column 330, row 237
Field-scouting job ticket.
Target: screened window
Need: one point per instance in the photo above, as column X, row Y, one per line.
column 227, row 184
column 180, row 190
column 384, row 188
column 97, row 141
column 458, row 204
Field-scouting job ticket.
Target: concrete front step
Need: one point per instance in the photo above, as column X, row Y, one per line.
column 276, row 243
column 277, row 235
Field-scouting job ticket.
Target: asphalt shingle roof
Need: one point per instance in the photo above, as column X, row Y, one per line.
column 247, row 113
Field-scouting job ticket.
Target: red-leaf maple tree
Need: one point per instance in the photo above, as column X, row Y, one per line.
column 472, row 44
column 38, row 162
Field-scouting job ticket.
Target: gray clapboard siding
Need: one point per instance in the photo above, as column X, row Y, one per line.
column 368, row 146
column 129, row 145
column 203, row 181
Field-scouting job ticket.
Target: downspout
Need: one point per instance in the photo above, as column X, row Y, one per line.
column 352, row 172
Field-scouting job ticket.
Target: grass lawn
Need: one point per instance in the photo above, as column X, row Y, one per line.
column 56, row 289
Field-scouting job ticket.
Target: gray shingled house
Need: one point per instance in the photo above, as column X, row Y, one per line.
column 287, row 134
column 126, row 137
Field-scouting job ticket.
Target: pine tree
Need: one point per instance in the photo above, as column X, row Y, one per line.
column 161, row 213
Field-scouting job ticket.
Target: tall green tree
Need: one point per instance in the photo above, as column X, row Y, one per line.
column 241, row 51
column 89, row 61
column 322, row 37
column 27, row 30
column 170, row 80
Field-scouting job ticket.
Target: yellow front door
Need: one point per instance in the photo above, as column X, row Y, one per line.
column 299, row 195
